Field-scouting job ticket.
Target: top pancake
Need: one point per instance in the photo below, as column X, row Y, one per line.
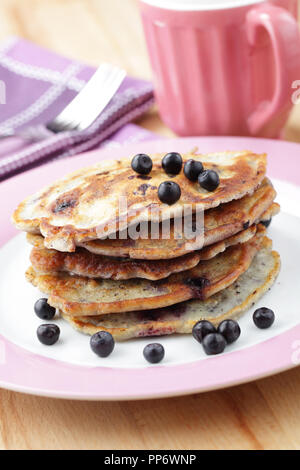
column 219, row 223
column 85, row 205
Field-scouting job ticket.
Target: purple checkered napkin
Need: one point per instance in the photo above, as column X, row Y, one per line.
column 36, row 85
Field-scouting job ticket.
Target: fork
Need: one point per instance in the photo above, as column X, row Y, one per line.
column 83, row 110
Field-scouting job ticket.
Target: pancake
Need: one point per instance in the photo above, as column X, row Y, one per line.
column 231, row 303
column 219, row 224
column 79, row 296
column 273, row 210
column 85, row 205
column 84, row 263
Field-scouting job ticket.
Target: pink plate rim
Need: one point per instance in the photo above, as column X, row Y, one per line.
column 23, row 371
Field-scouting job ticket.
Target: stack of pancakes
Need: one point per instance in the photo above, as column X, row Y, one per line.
column 100, row 278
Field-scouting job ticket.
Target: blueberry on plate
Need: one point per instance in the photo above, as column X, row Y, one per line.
column 169, row 192
column 202, row 329
column 43, row 310
column 172, row 163
column 102, row 343
column 230, row 330
column 214, row 343
column 192, row 169
column 263, row 318
column 209, row 180
column 154, row 353
column 48, row 334
column 142, row 164
column 266, row 223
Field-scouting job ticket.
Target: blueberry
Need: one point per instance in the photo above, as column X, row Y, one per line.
column 192, row 169
column 263, row 318
column 202, row 329
column 154, row 353
column 142, row 164
column 230, row 330
column 169, row 192
column 214, row 343
column 48, row 334
column 43, row 310
column 102, row 343
column 172, row 163
column 209, row 180
column 266, row 223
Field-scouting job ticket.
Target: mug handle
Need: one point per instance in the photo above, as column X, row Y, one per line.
column 285, row 39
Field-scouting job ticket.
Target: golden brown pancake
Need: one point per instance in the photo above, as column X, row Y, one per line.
column 273, row 210
column 232, row 220
column 85, row 205
column 84, row 263
column 219, row 223
column 78, row 296
column 230, row 303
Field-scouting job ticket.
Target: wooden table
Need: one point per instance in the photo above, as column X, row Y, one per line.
column 260, row 415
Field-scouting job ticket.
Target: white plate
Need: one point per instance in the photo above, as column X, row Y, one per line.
column 19, row 323
column 69, row 369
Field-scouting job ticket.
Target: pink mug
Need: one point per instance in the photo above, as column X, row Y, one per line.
column 223, row 67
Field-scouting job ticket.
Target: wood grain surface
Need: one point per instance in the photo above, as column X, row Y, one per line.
column 261, row 415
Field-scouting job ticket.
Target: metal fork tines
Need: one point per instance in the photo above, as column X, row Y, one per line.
column 85, row 107
column 91, row 101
